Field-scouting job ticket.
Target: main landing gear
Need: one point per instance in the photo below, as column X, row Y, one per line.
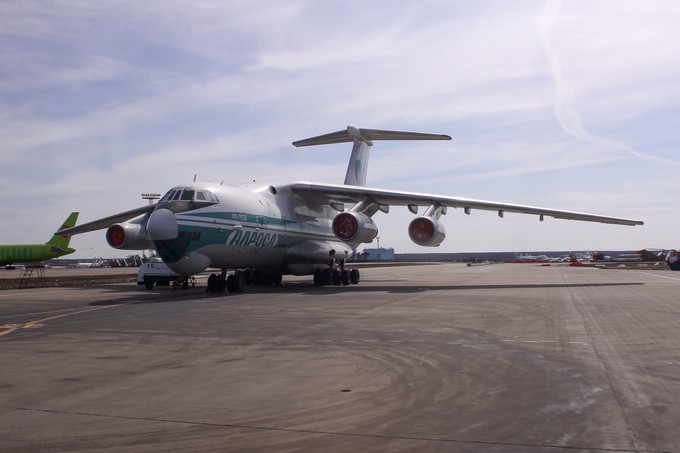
column 336, row 275
column 234, row 283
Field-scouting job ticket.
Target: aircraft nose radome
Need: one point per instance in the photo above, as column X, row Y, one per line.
column 161, row 225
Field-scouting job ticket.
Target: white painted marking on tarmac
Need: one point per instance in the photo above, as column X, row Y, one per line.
column 149, row 331
column 512, row 340
column 659, row 276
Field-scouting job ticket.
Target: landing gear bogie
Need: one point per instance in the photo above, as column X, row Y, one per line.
column 237, row 281
column 336, row 276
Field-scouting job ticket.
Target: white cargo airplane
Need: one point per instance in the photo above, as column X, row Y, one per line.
column 261, row 232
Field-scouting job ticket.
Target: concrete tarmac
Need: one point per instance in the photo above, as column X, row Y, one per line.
column 499, row 358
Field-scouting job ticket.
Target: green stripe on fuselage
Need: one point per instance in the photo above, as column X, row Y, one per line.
column 201, row 229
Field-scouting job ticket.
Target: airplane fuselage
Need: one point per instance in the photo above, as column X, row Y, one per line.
column 264, row 227
column 30, row 253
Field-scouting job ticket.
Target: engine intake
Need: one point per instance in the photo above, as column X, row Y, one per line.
column 426, row 231
column 127, row 236
column 354, row 227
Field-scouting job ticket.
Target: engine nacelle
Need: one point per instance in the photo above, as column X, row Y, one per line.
column 426, row 231
column 127, row 236
column 354, row 227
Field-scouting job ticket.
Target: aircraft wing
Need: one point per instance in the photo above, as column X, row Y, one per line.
column 107, row 221
column 337, row 194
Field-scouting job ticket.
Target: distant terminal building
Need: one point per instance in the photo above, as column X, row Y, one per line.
column 379, row 254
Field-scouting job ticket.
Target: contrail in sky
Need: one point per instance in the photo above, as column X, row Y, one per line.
column 563, row 108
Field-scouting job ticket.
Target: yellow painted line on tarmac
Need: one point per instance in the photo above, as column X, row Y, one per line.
column 23, row 315
column 9, row 328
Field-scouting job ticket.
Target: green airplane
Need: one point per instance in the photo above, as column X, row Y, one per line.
column 31, row 253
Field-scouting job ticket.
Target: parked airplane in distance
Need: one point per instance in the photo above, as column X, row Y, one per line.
column 31, row 253
column 261, row 232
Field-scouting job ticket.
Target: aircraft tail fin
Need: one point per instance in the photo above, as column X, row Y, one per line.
column 60, row 240
column 363, row 140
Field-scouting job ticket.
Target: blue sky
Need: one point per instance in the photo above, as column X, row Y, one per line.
column 570, row 105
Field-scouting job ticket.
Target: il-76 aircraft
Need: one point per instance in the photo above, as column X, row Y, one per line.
column 261, row 232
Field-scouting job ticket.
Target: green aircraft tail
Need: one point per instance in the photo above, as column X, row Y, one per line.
column 63, row 241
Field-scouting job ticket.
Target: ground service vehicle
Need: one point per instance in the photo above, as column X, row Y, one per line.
column 672, row 260
column 155, row 272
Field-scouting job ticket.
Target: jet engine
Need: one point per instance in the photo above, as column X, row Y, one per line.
column 127, row 236
column 426, row 231
column 354, row 227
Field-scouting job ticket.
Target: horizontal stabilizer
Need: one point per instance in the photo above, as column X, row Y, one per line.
column 367, row 135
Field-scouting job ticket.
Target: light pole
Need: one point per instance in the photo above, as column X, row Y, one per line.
column 151, row 197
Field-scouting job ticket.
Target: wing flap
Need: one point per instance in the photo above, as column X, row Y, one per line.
column 334, row 193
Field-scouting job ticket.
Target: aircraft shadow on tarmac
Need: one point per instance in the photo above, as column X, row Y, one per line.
column 166, row 295
column 423, row 288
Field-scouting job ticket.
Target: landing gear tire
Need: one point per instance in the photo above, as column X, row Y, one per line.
column 248, row 277
column 322, row 277
column 234, row 283
column 344, row 277
column 216, row 284
column 212, row 284
column 354, row 276
column 319, row 277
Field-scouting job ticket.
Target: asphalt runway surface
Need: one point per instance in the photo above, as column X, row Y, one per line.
column 499, row 358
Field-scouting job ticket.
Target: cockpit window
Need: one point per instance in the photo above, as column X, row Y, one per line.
column 167, row 196
column 187, row 195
